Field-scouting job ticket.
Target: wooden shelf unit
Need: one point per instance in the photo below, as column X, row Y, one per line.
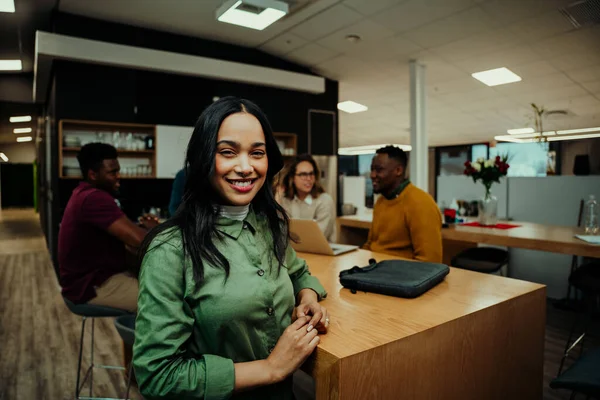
column 290, row 143
column 68, row 127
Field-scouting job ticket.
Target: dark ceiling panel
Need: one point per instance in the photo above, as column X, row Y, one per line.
column 17, row 32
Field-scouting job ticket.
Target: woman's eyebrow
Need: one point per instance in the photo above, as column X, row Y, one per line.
column 229, row 142
column 237, row 145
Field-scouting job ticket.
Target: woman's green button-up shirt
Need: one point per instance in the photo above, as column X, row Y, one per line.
column 188, row 337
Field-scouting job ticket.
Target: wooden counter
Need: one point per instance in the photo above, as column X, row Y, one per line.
column 474, row 336
column 555, row 239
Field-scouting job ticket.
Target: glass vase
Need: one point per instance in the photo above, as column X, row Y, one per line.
column 488, row 210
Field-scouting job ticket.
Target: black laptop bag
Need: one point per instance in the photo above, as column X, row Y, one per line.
column 398, row 278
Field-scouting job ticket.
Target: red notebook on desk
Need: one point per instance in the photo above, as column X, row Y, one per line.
column 497, row 226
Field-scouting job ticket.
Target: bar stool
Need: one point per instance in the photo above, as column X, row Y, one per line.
column 125, row 325
column 586, row 279
column 582, row 377
column 91, row 311
column 489, row 260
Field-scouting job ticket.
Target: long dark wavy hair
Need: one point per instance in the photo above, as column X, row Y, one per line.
column 196, row 216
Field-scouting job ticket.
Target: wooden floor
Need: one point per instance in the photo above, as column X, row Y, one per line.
column 39, row 337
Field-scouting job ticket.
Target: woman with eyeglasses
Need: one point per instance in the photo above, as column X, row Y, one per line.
column 305, row 198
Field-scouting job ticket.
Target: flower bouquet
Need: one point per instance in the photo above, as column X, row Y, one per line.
column 488, row 172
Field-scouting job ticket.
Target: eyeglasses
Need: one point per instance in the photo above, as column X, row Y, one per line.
column 306, row 175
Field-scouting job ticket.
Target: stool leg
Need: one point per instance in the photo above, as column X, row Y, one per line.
column 590, row 308
column 129, row 379
column 573, row 394
column 92, row 359
column 568, row 344
column 80, row 356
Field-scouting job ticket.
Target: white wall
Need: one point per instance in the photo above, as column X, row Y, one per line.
column 19, row 152
column 551, row 200
column 171, row 145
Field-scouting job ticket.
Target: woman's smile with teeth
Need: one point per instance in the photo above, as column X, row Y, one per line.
column 240, row 183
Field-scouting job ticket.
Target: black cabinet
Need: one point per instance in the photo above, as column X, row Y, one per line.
column 95, row 92
column 167, row 99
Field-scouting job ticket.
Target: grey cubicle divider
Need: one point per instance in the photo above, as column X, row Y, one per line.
column 460, row 187
column 552, row 200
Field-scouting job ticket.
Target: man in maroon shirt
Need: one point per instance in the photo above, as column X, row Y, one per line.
column 94, row 233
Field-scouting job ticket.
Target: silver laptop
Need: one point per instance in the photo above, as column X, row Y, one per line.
column 310, row 239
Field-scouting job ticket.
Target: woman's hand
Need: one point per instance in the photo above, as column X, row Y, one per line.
column 292, row 349
column 309, row 306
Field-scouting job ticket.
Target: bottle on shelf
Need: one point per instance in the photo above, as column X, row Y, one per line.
column 591, row 216
column 116, row 140
column 149, row 142
column 129, row 141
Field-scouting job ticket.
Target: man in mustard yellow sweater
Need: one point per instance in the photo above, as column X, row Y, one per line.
column 406, row 221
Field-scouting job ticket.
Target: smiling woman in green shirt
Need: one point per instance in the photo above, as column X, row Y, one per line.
column 226, row 309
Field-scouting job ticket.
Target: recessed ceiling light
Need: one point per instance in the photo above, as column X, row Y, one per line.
column 353, row 38
column 10, row 65
column 495, row 77
column 253, row 14
column 3, row 157
column 24, row 139
column 351, row 107
column 22, row 130
column 370, row 149
column 520, row 130
column 7, row 6
column 23, row 118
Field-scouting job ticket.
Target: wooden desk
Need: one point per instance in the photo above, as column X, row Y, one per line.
column 555, row 239
column 474, row 336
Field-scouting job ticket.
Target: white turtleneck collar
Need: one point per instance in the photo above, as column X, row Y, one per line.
column 236, row 213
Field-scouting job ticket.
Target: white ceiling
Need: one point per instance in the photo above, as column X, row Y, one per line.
column 560, row 65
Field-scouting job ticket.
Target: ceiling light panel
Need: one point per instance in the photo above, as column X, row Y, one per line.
column 22, row 130
column 495, row 77
column 584, row 130
column 370, row 149
column 520, row 131
column 351, row 107
column 24, row 139
column 574, row 137
column 253, row 14
column 11, row 65
column 22, row 118
column 7, row 6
